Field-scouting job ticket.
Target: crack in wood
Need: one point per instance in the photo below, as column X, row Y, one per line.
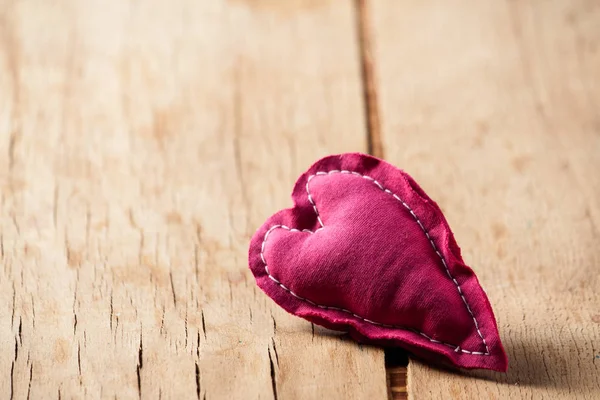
column 30, row 380
column 197, row 380
column 203, row 324
column 140, row 365
column 273, row 378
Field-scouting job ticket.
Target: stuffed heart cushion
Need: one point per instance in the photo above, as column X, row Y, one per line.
column 365, row 250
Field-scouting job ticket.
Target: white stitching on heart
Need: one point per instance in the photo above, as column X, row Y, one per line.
column 374, row 181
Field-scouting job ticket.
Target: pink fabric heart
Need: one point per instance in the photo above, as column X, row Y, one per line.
column 365, row 250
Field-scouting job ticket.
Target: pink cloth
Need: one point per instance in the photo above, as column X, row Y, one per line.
column 365, row 250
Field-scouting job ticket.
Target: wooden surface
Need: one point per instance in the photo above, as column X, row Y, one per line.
column 494, row 108
column 144, row 142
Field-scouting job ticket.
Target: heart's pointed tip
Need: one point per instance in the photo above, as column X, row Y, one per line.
column 501, row 362
column 499, row 368
column 496, row 361
column 499, row 355
column 492, row 362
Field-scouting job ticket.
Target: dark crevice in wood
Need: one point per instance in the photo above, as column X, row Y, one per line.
column 30, row 380
column 396, row 362
column 79, row 361
column 273, row 377
column 12, row 380
column 140, row 365
column 395, row 357
column 203, row 324
column 198, row 387
column 368, row 78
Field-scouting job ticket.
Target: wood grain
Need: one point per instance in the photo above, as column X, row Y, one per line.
column 494, row 108
column 142, row 143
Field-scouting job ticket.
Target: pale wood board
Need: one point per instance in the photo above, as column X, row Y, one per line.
column 142, row 143
column 494, row 107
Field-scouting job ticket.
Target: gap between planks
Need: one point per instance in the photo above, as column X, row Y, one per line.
column 368, row 78
column 396, row 361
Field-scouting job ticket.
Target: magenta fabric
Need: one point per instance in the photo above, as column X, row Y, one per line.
column 365, row 250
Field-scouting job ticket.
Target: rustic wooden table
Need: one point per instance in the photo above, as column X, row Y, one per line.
column 143, row 142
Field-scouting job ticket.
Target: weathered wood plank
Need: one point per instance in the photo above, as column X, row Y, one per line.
column 143, row 143
column 494, row 108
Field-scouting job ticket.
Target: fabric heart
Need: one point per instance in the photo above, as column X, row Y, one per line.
column 365, row 250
